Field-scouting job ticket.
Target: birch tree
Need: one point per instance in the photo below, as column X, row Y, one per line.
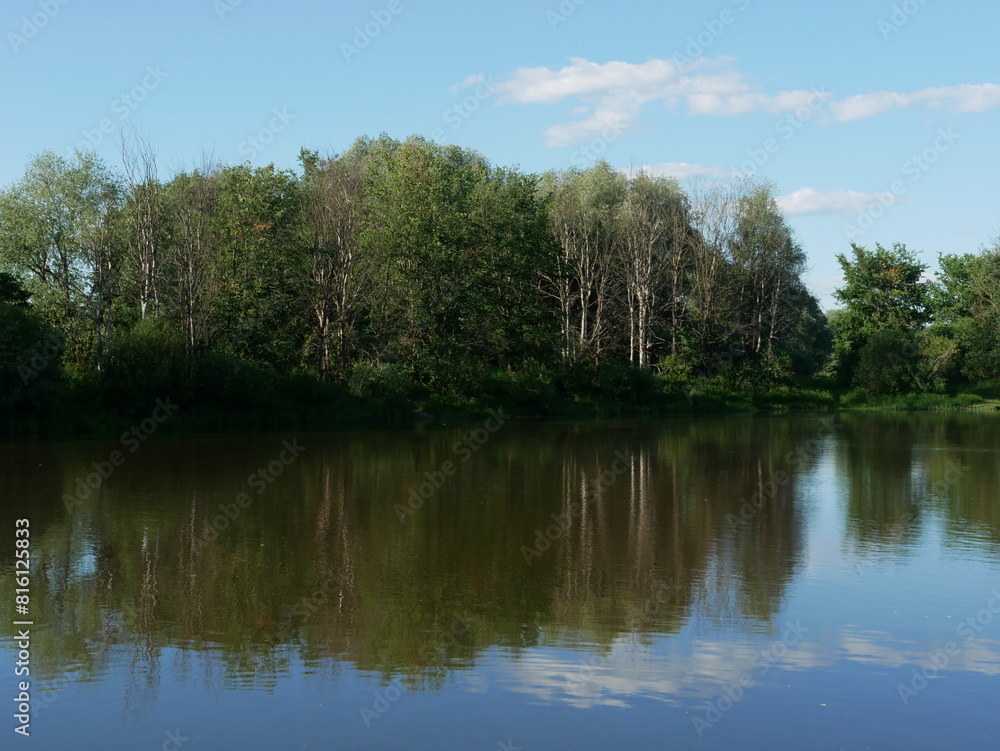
column 146, row 212
column 584, row 211
column 332, row 216
column 190, row 205
column 653, row 248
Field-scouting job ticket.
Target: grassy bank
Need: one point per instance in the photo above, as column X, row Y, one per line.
column 301, row 403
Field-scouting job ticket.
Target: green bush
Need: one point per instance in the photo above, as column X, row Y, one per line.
column 628, row 384
column 939, row 358
column 967, row 399
column 741, row 377
column 30, row 352
column 889, row 363
column 222, row 380
column 675, row 371
column 528, row 390
column 980, row 344
column 143, row 364
column 389, row 384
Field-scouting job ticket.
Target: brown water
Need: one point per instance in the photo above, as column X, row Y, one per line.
column 719, row 583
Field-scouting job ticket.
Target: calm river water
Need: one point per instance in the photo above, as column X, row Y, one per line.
column 809, row 583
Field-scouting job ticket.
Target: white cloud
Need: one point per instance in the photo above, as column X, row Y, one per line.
column 591, row 80
column 812, row 201
column 468, row 81
column 616, row 92
column 730, row 104
column 610, row 119
column 962, row 98
column 626, row 672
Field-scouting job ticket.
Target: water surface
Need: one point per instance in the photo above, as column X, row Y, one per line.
column 799, row 582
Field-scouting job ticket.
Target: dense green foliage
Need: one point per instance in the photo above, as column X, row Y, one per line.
column 401, row 276
column 900, row 333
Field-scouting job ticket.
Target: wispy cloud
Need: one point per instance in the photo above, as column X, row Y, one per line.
column 616, row 92
column 963, row 98
column 812, row 201
column 467, row 81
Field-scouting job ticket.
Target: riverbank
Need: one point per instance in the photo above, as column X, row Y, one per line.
column 300, row 404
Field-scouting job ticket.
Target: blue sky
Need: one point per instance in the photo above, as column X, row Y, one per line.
column 875, row 120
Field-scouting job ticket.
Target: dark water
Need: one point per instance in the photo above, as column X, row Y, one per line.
column 717, row 583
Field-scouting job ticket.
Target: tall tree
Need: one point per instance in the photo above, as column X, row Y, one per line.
column 254, row 312
column 653, row 250
column 767, row 266
column 56, row 234
column 190, row 215
column 333, row 212
column 883, row 289
column 458, row 246
column 710, row 306
column 584, row 211
column 965, row 298
column 885, row 306
column 145, row 213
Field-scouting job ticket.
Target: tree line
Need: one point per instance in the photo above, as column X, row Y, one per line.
column 401, row 272
column 901, row 330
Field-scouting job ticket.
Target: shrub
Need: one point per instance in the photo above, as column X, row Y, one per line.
column 528, row 389
column 30, row 372
column 220, row 380
column 388, row 383
column 143, row 364
column 888, row 362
